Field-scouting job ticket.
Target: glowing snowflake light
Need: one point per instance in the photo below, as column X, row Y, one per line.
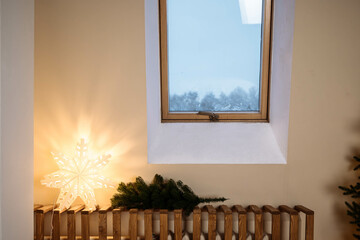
column 78, row 177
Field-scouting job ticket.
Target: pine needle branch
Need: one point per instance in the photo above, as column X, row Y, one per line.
column 159, row 194
column 353, row 208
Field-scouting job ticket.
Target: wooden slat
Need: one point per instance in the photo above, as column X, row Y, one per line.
column 275, row 227
column 71, row 227
column 39, row 220
column 275, row 221
column 212, row 226
column 270, row 209
column 258, row 226
column 294, row 227
column 71, row 223
column 85, row 224
column 164, row 224
column 211, row 221
column 303, row 209
column 148, row 214
column 103, row 222
column 45, row 209
column 39, row 227
column 242, row 222
column 228, row 228
column 76, row 208
column 239, row 209
column 37, row 206
column 294, row 221
column 258, row 221
column 225, row 209
column 196, row 223
column 102, row 225
column 105, row 209
column 117, row 224
column 133, row 224
column 208, row 208
column 242, row 226
column 56, row 225
column 178, row 224
column 255, row 209
column 289, row 210
column 309, row 227
column 60, row 210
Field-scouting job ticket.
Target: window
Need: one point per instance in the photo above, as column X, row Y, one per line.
column 215, row 59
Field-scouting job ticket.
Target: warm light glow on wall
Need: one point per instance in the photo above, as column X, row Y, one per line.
column 78, row 176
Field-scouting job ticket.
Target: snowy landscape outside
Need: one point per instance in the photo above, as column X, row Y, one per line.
column 214, row 55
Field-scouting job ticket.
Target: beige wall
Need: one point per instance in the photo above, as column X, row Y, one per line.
column 90, row 81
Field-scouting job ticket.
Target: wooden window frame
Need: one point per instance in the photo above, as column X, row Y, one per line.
column 261, row 116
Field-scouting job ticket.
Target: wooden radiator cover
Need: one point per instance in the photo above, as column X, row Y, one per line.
column 208, row 222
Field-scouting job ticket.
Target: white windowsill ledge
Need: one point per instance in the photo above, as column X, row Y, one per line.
column 222, row 143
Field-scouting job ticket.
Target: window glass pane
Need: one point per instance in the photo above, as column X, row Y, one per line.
column 214, row 55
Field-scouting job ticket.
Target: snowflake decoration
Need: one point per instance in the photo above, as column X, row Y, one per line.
column 78, row 177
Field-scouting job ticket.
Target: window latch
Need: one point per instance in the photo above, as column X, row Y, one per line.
column 212, row 116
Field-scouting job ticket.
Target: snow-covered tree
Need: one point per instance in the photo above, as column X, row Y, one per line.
column 237, row 100
column 253, row 99
column 209, row 102
column 185, row 102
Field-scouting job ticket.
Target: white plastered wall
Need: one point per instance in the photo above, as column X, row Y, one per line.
column 0, row 127
column 222, row 143
column 17, row 70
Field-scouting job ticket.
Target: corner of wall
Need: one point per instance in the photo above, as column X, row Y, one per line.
column 281, row 66
column 0, row 123
column 17, row 73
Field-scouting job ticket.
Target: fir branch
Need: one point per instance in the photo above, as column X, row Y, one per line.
column 159, row 194
column 353, row 208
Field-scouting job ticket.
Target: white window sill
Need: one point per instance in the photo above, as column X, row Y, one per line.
column 217, row 143
column 222, row 143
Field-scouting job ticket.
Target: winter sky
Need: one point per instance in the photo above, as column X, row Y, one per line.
column 214, row 45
